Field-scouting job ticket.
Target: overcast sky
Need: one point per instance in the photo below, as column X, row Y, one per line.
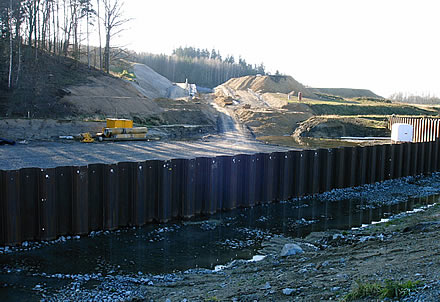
column 383, row 45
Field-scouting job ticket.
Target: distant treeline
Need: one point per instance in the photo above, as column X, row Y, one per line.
column 201, row 66
column 415, row 99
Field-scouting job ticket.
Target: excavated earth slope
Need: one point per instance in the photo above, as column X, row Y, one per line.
column 269, row 83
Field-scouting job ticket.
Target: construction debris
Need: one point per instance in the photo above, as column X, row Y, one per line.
column 115, row 131
column 119, row 123
column 87, row 138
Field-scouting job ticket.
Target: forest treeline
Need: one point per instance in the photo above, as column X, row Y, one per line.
column 201, row 66
column 60, row 27
column 415, row 99
column 63, row 28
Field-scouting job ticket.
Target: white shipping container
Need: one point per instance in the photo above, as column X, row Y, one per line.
column 401, row 132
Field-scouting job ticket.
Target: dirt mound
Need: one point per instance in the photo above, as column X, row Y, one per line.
column 334, row 127
column 346, row 92
column 269, row 83
column 105, row 96
column 271, row 122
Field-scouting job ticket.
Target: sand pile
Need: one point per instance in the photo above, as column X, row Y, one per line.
column 153, row 85
column 269, row 83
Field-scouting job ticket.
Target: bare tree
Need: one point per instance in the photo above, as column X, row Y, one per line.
column 88, row 10
column 99, row 33
column 113, row 20
column 10, row 44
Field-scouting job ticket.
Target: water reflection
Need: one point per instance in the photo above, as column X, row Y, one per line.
column 157, row 249
column 313, row 143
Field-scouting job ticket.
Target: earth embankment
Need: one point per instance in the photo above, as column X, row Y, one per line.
column 270, row 106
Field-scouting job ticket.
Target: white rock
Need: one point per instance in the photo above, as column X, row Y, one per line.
column 267, row 286
column 288, row 291
column 291, row 249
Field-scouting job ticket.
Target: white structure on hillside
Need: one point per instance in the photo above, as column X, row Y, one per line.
column 401, row 132
column 191, row 89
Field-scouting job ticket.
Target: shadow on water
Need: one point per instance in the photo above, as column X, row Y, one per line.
column 161, row 249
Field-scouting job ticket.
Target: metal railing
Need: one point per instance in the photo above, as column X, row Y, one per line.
column 425, row 129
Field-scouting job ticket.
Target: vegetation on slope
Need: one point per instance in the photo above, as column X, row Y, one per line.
column 359, row 106
column 346, row 92
column 41, row 85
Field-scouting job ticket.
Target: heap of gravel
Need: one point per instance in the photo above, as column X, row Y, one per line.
column 387, row 192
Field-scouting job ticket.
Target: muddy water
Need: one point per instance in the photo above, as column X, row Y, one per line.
column 162, row 249
column 314, row 143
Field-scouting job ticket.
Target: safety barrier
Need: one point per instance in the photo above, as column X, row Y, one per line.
column 42, row 204
column 426, row 129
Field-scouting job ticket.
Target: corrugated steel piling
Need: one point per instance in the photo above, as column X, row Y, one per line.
column 43, row 204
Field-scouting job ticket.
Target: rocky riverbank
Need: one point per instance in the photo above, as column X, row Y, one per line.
column 327, row 266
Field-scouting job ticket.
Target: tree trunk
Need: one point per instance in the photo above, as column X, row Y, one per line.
column 10, row 44
column 88, row 42
column 107, row 52
column 18, row 42
column 99, row 35
column 19, row 61
column 31, row 23
column 54, row 42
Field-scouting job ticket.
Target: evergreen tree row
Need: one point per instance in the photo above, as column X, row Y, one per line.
column 201, row 66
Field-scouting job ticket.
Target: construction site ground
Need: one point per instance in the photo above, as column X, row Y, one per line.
column 258, row 106
column 52, row 154
column 270, row 106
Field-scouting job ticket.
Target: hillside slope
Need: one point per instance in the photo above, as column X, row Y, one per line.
column 346, row 92
column 268, row 83
column 104, row 95
column 60, row 91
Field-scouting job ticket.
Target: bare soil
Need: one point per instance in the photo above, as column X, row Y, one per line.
column 403, row 250
column 268, row 83
column 45, row 129
column 58, row 96
column 108, row 96
column 261, row 104
column 271, row 122
column 337, row 126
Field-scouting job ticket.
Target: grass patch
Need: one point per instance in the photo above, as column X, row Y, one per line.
column 367, row 108
column 332, row 105
column 390, row 289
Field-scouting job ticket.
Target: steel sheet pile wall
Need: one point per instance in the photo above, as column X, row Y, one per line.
column 425, row 129
column 42, row 204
